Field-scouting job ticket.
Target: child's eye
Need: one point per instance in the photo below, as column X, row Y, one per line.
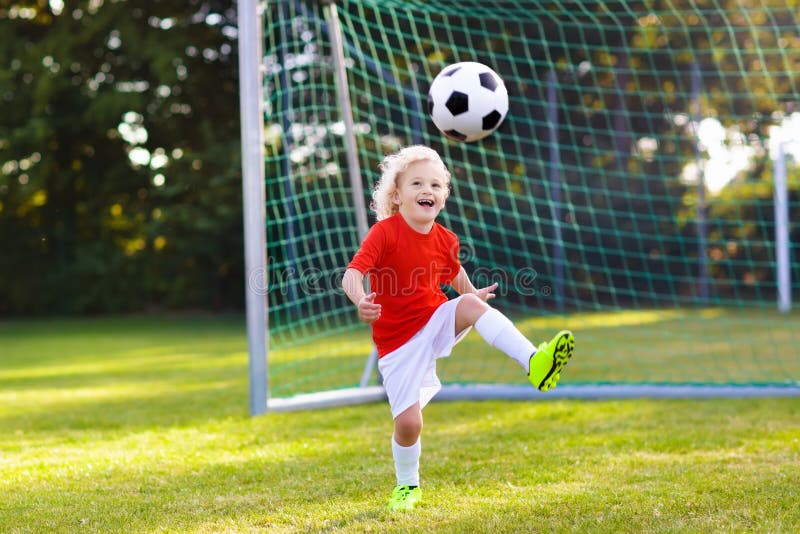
column 437, row 186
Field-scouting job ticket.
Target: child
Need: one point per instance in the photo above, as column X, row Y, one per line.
column 408, row 256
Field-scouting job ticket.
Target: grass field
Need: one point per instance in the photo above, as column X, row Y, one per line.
column 706, row 346
column 141, row 425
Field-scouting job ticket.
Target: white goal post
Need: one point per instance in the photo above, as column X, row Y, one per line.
column 251, row 98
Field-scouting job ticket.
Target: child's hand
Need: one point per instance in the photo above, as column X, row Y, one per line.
column 485, row 293
column 368, row 311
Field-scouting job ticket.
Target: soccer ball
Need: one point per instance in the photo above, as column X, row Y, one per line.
column 467, row 101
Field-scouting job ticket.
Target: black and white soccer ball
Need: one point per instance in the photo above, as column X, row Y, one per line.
column 467, row 101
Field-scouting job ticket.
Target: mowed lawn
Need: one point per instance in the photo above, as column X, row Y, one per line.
column 141, row 425
column 715, row 345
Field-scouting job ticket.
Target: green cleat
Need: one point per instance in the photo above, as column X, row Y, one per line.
column 546, row 363
column 404, row 497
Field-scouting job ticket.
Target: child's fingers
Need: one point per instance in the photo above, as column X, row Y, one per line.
column 369, row 316
column 367, row 308
column 487, row 292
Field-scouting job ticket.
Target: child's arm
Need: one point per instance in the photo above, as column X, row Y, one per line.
column 353, row 285
column 462, row 284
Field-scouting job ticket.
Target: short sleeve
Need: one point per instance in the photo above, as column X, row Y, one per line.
column 371, row 250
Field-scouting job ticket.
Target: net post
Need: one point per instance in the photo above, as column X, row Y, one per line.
column 253, row 199
column 781, row 198
column 343, row 93
column 369, row 367
column 353, row 167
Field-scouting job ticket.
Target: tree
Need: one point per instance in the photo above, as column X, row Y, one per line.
column 119, row 132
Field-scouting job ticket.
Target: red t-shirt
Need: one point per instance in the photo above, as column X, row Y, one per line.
column 406, row 270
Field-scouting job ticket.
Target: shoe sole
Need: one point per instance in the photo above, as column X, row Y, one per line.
column 565, row 344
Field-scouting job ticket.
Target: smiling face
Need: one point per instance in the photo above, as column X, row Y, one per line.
column 421, row 191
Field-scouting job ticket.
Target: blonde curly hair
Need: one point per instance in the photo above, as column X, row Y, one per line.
column 391, row 167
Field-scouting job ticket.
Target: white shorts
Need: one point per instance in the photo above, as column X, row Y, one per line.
column 409, row 372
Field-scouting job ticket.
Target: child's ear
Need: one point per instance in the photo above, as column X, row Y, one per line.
column 396, row 197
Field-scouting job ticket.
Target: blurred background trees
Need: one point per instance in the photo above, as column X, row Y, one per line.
column 120, row 186
column 119, row 140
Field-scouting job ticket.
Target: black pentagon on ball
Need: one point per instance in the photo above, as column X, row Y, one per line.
column 491, row 120
column 457, row 103
column 455, row 134
column 451, row 71
column 430, row 104
column 488, row 80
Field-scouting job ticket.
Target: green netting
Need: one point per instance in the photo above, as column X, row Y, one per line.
column 628, row 195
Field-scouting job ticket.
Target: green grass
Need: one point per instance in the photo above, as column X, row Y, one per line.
column 709, row 345
column 141, row 425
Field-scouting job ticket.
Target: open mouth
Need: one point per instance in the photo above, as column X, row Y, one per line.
column 426, row 202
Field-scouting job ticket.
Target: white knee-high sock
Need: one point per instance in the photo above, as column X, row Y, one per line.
column 406, row 463
column 500, row 332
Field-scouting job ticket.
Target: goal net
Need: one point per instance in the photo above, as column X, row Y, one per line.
column 643, row 190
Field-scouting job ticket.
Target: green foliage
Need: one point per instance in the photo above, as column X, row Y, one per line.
column 85, row 227
column 95, row 216
column 140, row 425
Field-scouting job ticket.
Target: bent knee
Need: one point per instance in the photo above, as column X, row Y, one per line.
column 472, row 301
column 470, row 307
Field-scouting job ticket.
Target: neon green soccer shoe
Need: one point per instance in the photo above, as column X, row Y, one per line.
column 405, row 497
column 546, row 363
